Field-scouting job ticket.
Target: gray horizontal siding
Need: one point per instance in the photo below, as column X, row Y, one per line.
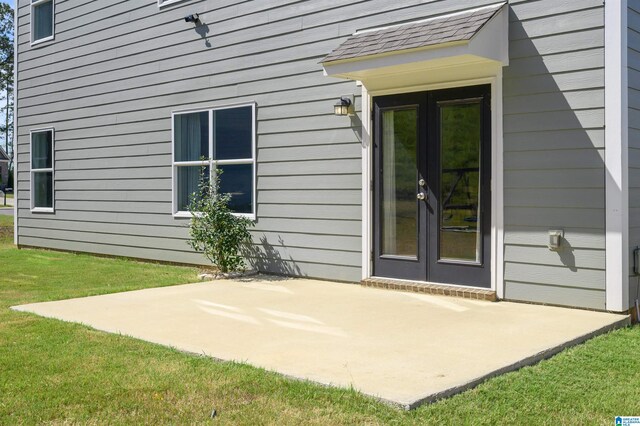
column 555, row 276
column 172, row 255
column 554, row 150
column 554, row 295
column 108, row 85
column 633, row 63
column 581, row 238
column 551, row 102
column 555, row 217
column 273, row 264
column 557, row 139
column 534, row 180
column 575, row 260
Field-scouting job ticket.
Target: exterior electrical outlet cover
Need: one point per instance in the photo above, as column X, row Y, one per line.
column 555, row 238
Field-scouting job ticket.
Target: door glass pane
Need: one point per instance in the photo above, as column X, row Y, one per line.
column 191, row 136
column 237, row 180
column 189, row 178
column 459, row 221
column 233, row 133
column 43, row 189
column 399, row 216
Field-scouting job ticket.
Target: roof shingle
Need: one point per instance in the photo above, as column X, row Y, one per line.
column 461, row 26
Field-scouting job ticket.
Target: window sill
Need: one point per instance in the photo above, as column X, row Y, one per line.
column 188, row 215
column 182, row 215
column 162, row 4
column 42, row 210
column 42, row 41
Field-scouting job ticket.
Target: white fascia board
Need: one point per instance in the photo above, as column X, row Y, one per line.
column 492, row 41
column 353, row 68
column 616, row 157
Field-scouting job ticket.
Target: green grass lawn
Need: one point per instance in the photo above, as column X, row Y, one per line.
column 56, row 372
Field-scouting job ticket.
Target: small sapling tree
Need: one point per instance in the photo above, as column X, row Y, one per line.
column 215, row 230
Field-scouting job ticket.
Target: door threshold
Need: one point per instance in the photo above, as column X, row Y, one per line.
column 431, row 288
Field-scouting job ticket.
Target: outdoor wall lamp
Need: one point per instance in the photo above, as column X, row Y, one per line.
column 345, row 106
column 192, row 18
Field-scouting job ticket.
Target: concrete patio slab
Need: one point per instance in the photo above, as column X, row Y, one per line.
column 404, row 348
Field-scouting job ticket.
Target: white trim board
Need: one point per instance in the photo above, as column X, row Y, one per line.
column 616, row 157
column 15, row 130
column 367, row 187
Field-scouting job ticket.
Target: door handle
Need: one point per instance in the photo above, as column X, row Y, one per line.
column 421, row 196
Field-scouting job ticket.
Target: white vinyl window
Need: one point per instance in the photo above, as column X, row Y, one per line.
column 42, row 21
column 42, row 164
column 211, row 139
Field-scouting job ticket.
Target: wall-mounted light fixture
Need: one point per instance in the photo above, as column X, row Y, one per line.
column 192, row 18
column 345, row 106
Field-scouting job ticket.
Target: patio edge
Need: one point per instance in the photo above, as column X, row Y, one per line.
column 532, row 360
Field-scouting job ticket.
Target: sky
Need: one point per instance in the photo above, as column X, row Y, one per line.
column 8, row 1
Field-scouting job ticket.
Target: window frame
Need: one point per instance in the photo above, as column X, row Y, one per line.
column 33, row 171
column 210, row 162
column 163, row 3
column 53, row 22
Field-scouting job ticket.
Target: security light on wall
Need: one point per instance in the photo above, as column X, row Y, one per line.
column 345, row 106
column 192, row 18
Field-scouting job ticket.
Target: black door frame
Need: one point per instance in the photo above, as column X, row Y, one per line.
column 427, row 267
column 390, row 266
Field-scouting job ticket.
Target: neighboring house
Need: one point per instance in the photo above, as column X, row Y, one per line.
column 476, row 132
column 4, row 169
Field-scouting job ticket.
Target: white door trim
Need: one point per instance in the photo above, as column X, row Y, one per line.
column 367, row 186
column 497, row 172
